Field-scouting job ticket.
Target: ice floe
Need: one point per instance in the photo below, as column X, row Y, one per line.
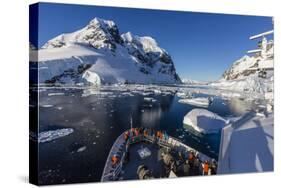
column 149, row 99
column 204, row 121
column 46, row 105
column 48, row 136
column 200, row 101
column 83, row 148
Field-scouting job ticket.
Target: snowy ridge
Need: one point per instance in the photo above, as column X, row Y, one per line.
column 244, row 74
column 98, row 54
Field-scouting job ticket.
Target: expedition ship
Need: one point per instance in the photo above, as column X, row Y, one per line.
column 141, row 153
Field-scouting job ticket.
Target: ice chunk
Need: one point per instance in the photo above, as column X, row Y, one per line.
column 46, row 105
column 180, row 94
column 55, row 94
column 48, row 136
column 200, row 101
column 204, row 121
column 83, row 148
column 157, row 91
column 149, row 99
column 92, row 78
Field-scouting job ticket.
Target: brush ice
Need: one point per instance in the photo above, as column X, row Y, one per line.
column 48, row 136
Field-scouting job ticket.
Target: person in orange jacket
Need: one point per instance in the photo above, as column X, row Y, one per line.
column 145, row 133
column 114, row 160
column 205, row 168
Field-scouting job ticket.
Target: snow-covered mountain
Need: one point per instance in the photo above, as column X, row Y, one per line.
column 250, row 73
column 99, row 54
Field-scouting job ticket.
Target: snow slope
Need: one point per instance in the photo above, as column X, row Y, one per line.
column 204, row 121
column 98, row 54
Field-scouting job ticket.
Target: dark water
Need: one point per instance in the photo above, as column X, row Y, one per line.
column 98, row 120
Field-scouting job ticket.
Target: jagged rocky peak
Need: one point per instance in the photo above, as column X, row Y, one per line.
column 146, row 43
column 240, row 68
column 145, row 46
column 102, row 33
column 101, row 22
column 149, row 54
column 250, row 65
column 98, row 33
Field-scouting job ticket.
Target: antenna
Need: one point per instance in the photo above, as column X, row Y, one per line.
column 253, row 51
column 263, row 43
column 261, row 35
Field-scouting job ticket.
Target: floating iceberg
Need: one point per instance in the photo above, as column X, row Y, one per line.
column 92, row 78
column 204, row 121
column 181, row 94
column 157, row 91
column 46, row 105
column 200, row 101
column 48, row 136
column 149, row 99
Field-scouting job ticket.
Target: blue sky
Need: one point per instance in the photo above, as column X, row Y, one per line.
column 202, row 45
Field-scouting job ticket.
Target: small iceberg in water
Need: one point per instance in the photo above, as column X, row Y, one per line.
column 149, row 99
column 83, row 148
column 200, row 101
column 204, row 121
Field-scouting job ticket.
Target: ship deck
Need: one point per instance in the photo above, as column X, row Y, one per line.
column 153, row 162
column 127, row 169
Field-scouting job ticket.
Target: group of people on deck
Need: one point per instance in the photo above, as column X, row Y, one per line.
column 133, row 132
column 193, row 164
column 204, row 168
